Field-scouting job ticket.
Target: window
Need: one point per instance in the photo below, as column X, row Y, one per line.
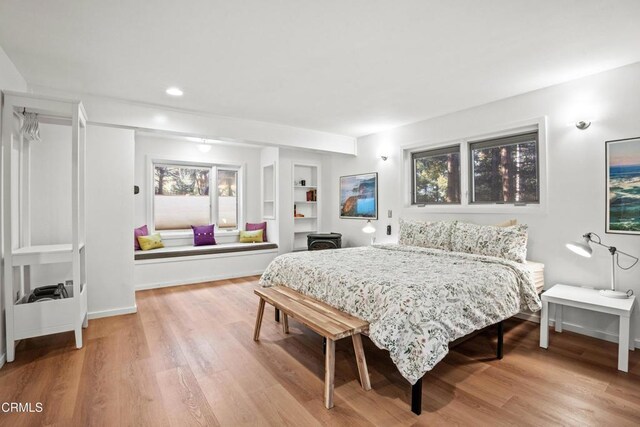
column 182, row 196
column 436, row 176
column 227, row 199
column 505, row 170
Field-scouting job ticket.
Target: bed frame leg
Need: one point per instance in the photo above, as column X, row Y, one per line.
column 277, row 315
column 500, row 351
column 324, row 345
column 416, row 397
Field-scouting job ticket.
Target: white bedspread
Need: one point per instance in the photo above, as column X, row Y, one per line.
column 416, row 300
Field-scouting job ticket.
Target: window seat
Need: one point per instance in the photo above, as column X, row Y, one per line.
column 184, row 251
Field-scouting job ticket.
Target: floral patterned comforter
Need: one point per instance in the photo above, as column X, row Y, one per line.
column 416, row 300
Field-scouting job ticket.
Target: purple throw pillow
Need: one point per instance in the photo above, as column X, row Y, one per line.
column 203, row 235
column 259, row 226
column 137, row 232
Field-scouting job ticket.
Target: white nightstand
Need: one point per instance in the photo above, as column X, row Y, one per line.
column 589, row 299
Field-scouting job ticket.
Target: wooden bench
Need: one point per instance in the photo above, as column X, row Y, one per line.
column 323, row 319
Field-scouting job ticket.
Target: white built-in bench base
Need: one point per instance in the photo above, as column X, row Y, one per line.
column 183, row 265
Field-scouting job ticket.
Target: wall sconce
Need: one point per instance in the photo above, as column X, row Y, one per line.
column 583, row 124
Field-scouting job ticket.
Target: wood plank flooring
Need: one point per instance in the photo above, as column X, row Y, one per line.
column 188, row 358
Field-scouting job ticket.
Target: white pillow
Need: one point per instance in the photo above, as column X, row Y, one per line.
column 435, row 235
column 502, row 242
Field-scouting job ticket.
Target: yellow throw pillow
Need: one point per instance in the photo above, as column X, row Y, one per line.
column 152, row 241
column 254, row 236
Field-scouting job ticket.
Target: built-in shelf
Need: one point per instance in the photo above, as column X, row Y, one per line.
column 306, row 201
column 269, row 191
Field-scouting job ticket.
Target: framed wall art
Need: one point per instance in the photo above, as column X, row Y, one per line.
column 359, row 196
column 623, row 186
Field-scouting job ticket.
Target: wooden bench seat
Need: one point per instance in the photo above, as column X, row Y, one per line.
column 323, row 319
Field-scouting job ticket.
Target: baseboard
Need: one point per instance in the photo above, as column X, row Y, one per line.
column 212, row 278
column 578, row 329
column 113, row 312
column 531, row 317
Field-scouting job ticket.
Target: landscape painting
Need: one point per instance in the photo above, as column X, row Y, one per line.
column 623, row 186
column 359, row 196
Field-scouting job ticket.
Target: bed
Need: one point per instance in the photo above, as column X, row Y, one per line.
column 416, row 299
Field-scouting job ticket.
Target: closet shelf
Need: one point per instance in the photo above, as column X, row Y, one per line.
column 43, row 254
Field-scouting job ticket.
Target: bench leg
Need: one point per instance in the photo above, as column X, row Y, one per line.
column 329, row 373
column 416, row 397
column 285, row 323
column 324, row 345
column 499, row 352
column 365, row 382
column 277, row 315
column 256, row 332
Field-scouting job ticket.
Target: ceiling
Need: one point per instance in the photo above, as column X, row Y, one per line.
column 348, row 67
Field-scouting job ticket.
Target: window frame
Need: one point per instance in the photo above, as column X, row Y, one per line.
column 213, row 195
column 483, row 133
column 433, row 153
column 494, row 142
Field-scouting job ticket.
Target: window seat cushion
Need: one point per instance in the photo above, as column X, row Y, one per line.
column 182, row 251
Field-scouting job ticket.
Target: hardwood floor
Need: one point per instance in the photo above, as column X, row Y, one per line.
column 188, row 358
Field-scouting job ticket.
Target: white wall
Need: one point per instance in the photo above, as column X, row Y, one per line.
column 103, row 110
column 50, row 199
column 576, row 170
column 271, row 156
column 109, row 204
column 10, row 79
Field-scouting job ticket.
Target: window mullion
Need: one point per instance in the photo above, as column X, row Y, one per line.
column 213, row 195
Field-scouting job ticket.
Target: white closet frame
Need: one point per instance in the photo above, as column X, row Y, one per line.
column 25, row 320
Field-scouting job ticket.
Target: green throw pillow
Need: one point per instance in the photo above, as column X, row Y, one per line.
column 254, row 236
column 153, row 241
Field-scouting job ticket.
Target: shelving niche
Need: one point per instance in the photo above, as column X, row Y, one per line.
column 306, row 201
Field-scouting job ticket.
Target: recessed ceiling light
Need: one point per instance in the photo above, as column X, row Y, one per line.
column 174, row 91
